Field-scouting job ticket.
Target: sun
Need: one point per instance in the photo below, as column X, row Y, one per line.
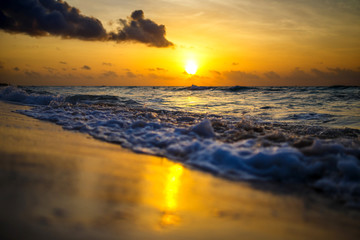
column 191, row 67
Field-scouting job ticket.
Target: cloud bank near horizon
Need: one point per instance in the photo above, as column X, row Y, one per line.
column 52, row 75
column 58, row 18
column 297, row 77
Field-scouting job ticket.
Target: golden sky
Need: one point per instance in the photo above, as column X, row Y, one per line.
column 232, row 42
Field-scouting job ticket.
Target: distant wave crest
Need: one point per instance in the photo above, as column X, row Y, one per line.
column 19, row 95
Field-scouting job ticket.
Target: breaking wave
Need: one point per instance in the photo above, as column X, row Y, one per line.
column 240, row 148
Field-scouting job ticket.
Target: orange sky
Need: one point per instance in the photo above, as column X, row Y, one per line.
column 245, row 42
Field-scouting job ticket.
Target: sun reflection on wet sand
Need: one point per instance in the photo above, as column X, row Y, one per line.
column 171, row 190
column 172, row 186
column 169, row 219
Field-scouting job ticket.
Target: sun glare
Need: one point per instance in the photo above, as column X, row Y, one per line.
column 191, row 67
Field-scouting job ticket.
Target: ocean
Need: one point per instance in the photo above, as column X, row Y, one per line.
column 308, row 136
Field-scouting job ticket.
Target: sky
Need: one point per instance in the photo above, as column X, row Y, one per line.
column 150, row 43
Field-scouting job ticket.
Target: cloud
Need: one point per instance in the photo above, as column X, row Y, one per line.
column 32, row 74
column 16, row 69
column 332, row 76
column 130, row 74
column 86, row 67
column 137, row 28
column 239, row 75
column 338, row 75
column 61, row 62
column 297, row 77
column 58, row 18
column 215, row 72
column 110, row 74
column 161, row 69
column 157, row 69
column 48, row 17
column 107, row 64
column 50, row 69
column 242, row 78
column 272, row 75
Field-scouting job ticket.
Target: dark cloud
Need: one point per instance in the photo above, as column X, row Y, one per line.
column 86, row 67
column 297, row 77
column 48, row 17
column 107, row 64
column 330, row 76
column 338, row 75
column 110, row 74
column 58, row 18
column 130, row 74
column 215, row 72
column 243, row 76
column 157, row 69
column 16, row 69
column 272, row 75
column 32, row 74
column 137, row 28
column 50, row 69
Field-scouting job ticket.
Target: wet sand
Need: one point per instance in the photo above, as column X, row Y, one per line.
column 57, row 184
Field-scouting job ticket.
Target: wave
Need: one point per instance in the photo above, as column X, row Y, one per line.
column 29, row 96
column 198, row 88
column 80, row 98
column 324, row 159
column 14, row 94
column 226, row 89
column 242, row 151
column 341, row 87
column 310, row 116
column 239, row 88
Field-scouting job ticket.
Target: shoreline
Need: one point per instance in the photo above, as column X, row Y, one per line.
column 61, row 184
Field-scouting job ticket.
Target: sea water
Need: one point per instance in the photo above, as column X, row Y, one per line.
column 305, row 135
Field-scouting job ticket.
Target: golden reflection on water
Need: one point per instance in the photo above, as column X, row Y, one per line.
column 171, row 190
column 192, row 100
column 189, row 101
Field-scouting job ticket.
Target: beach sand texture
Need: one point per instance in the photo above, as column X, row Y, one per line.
column 57, row 184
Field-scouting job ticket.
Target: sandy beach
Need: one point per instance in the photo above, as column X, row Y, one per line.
column 58, row 184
